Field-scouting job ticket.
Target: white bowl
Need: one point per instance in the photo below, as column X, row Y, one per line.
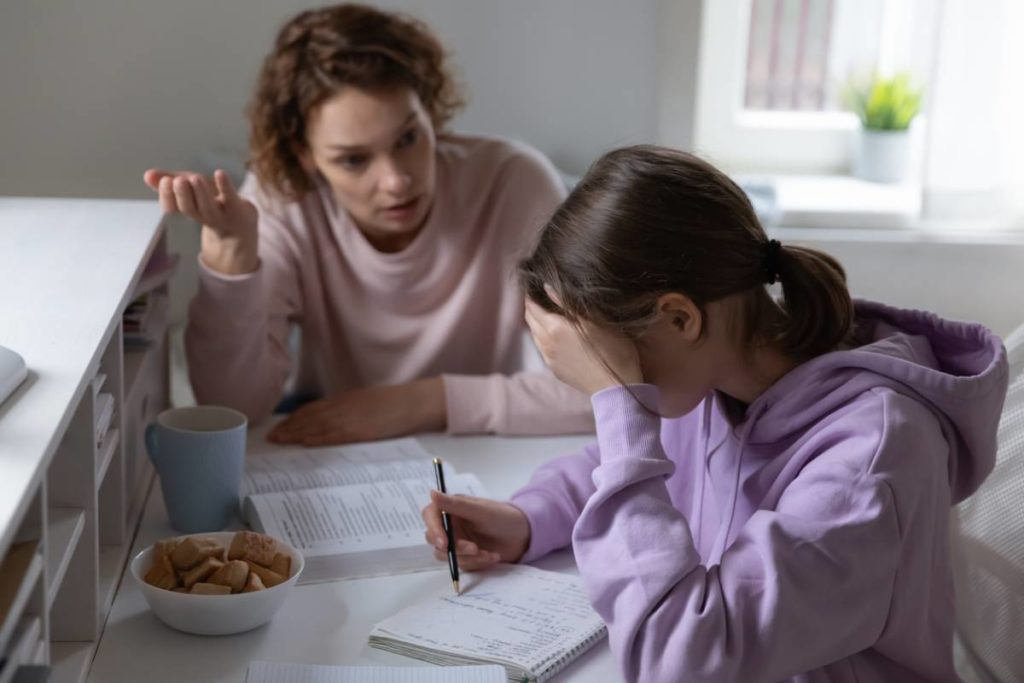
column 215, row 615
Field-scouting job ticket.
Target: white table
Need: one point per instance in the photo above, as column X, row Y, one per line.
column 324, row 623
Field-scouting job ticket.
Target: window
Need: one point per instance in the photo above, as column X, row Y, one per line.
column 771, row 74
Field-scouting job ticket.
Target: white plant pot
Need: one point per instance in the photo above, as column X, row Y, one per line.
column 882, row 155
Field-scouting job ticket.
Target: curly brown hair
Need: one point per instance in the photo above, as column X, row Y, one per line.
column 322, row 50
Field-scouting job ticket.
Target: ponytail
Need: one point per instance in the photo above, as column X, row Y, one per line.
column 818, row 311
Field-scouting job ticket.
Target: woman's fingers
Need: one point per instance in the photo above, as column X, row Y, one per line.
column 153, row 176
column 206, row 203
column 224, row 186
column 183, row 195
column 166, row 192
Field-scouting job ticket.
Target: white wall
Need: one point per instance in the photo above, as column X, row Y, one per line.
column 959, row 276
column 95, row 91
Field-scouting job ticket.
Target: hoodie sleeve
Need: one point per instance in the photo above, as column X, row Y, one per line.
column 236, row 342
column 801, row 586
column 553, row 500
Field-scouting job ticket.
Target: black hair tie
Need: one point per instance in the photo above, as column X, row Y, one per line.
column 770, row 262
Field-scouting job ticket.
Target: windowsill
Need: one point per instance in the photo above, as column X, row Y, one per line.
column 847, row 208
column 840, row 202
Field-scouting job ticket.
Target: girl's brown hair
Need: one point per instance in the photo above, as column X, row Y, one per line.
column 319, row 52
column 647, row 221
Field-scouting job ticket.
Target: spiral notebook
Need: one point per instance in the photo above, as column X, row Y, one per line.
column 530, row 621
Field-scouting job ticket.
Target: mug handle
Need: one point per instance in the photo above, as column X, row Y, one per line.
column 151, row 442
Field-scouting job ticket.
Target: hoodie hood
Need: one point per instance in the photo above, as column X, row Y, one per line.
column 957, row 369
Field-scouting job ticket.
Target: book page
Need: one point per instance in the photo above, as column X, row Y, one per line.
column 272, row 672
column 337, row 466
column 353, row 519
column 532, row 618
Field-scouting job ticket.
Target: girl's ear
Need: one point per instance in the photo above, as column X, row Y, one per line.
column 682, row 316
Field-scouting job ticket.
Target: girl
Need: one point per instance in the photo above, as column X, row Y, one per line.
column 388, row 242
column 768, row 497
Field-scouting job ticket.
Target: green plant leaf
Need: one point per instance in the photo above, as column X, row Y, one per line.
column 883, row 103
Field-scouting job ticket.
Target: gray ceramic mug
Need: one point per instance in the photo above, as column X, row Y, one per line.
column 199, row 453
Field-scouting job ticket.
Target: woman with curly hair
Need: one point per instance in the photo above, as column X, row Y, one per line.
column 387, row 240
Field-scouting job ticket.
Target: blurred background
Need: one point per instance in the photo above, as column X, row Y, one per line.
column 885, row 131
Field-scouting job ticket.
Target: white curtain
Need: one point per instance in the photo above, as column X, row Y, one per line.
column 974, row 163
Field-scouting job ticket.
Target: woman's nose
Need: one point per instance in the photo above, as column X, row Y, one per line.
column 395, row 179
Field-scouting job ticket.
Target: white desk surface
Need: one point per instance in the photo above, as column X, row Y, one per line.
column 325, row 623
column 67, row 267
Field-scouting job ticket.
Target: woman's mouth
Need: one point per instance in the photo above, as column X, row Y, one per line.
column 402, row 210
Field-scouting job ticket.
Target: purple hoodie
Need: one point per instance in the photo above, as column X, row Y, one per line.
column 805, row 540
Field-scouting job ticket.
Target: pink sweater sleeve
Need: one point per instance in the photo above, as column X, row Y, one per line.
column 803, row 585
column 525, row 403
column 236, row 342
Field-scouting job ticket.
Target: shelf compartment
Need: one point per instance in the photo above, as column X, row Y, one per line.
column 22, row 650
column 63, row 531
column 70, row 661
column 19, row 575
column 106, row 454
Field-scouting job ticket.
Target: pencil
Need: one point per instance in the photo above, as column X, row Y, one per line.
column 449, row 528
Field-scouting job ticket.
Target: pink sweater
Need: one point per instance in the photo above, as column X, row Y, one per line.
column 448, row 304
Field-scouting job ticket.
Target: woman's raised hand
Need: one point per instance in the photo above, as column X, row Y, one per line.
column 486, row 531
column 229, row 239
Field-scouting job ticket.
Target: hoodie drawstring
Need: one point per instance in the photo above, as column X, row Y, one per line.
column 718, row 549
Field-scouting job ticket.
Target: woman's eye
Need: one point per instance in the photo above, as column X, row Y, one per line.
column 408, row 138
column 352, row 162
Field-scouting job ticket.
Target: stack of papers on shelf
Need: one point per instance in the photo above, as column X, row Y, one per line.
column 139, row 317
column 352, row 511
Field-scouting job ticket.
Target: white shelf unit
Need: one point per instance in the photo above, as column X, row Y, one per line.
column 93, row 472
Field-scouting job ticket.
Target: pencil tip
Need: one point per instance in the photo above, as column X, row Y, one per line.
column 455, row 584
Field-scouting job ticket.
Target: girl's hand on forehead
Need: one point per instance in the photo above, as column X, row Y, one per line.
column 594, row 360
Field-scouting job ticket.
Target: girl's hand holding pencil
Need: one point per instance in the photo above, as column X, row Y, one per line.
column 486, row 531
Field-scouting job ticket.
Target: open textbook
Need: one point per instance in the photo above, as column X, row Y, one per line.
column 532, row 622
column 352, row 511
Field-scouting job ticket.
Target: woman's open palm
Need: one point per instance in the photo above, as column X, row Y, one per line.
column 215, row 205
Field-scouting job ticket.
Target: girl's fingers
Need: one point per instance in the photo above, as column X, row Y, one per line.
column 549, row 290
column 435, row 529
column 183, row 195
column 467, row 507
column 465, row 547
column 471, row 563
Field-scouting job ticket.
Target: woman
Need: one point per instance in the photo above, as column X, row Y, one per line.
column 388, row 242
column 768, row 498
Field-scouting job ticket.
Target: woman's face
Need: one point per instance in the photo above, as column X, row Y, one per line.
column 376, row 151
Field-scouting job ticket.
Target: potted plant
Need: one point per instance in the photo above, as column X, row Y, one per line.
column 886, row 106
